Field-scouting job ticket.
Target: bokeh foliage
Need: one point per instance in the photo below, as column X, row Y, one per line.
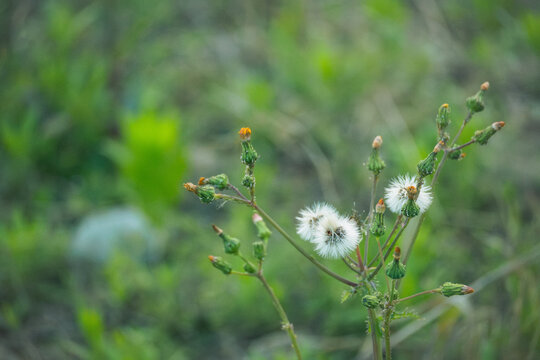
column 115, row 103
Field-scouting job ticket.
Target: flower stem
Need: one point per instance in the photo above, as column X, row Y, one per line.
column 381, row 263
column 377, row 350
column 370, row 217
column 351, row 266
column 238, row 192
column 297, row 247
column 381, row 255
column 398, row 220
column 461, row 146
column 387, row 315
column 433, row 291
column 286, row 324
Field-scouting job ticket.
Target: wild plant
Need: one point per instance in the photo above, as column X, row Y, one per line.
column 339, row 236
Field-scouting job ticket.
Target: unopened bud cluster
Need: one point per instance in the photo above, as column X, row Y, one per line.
column 249, row 156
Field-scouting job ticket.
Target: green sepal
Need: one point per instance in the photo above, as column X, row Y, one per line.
column 455, row 155
column 475, row 103
column 230, row 244
column 395, row 269
column 220, row 181
column 450, row 289
column 443, row 118
column 206, row 193
column 263, row 232
column 221, row 264
column 375, row 163
column 427, row 166
column 248, row 181
column 410, row 209
column 249, row 155
column 259, row 250
column 377, row 227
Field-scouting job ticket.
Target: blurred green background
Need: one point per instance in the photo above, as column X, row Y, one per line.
column 108, row 106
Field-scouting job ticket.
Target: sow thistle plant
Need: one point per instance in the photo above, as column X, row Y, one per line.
column 339, row 236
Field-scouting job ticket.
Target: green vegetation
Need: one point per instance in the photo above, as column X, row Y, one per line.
column 108, row 106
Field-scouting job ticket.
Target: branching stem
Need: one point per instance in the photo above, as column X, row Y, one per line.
column 434, row 182
column 299, row 248
column 286, row 324
column 433, row 291
column 398, row 221
column 381, row 263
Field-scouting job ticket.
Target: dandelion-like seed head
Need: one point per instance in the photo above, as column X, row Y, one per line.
column 399, row 191
column 336, row 236
column 309, row 218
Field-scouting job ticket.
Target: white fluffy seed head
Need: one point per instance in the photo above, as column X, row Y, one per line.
column 309, row 218
column 395, row 195
column 336, row 236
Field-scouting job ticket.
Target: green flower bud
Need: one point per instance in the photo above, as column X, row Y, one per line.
column 220, row 181
column 395, row 269
column 375, row 163
column 427, row 166
column 249, row 155
column 482, row 136
column 370, row 301
column 456, row 154
column 450, row 289
column 259, row 250
column 475, row 103
column 249, row 268
column 263, row 232
column 248, row 181
column 377, row 227
column 230, row 244
column 220, row 264
column 410, row 209
column 443, row 118
column 206, row 193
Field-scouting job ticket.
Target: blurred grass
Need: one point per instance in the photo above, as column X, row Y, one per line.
column 116, row 103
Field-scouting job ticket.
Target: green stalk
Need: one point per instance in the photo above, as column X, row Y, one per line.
column 387, row 314
column 370, row 216
column 377, row 350
column 286, row 324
